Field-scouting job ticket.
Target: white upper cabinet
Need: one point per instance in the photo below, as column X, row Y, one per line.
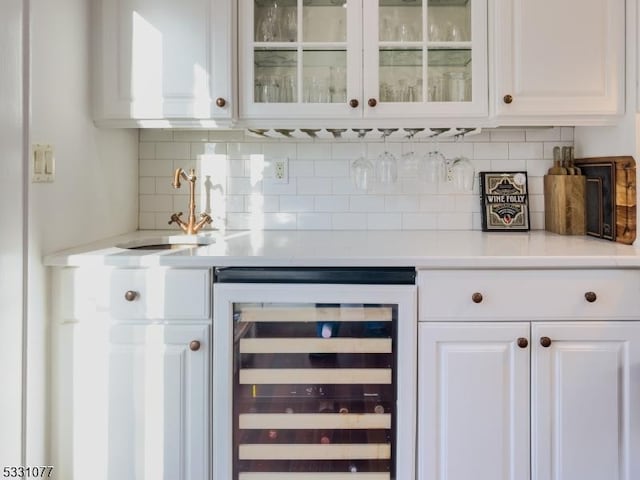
column 353, row 59
column 559, row 59
column 161, row 59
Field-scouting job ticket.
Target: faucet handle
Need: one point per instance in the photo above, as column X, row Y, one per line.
column 206, row 217
column 175, row 218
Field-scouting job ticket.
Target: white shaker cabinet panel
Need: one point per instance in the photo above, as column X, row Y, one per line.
column 586, row 401
column 559, row 58
column 161, row 59
column 473, row 401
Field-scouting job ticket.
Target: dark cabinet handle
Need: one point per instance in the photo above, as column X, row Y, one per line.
column 545, row 342
column 372, row 102
column 221, row 102
column 130, row 295
column 523, row 342
column 590, row 297
column 194, row 346
column 476, row 297
column 507, row 99
column 353, row 103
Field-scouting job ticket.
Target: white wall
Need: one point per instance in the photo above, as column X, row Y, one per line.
column 95, row 190
column 11, row 240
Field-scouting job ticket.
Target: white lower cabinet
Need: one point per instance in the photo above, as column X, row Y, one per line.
column 131, row 394
column 158, row 413
column 477, row 418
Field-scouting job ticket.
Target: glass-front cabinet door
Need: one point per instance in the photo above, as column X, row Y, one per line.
column 425, row 58
column 363, row 58
column 300, row 58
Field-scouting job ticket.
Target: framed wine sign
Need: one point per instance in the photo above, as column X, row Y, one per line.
column 504, row 201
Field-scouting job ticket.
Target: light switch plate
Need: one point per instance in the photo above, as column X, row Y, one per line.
column 43, row 164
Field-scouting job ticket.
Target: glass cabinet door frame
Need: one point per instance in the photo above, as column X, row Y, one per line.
column 250, row 108
column 478, row 106
column 226, row 295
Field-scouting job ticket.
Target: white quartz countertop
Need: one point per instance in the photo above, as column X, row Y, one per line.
column 421, row 249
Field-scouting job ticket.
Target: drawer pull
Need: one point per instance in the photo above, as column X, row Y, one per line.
column 130, row 295
column 545, row 342
column 507, row 99
column 476, row 297
column 523, row 342
column 590, row 297
column 194, row 346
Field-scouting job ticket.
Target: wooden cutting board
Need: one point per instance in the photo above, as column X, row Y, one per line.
column 610, row 197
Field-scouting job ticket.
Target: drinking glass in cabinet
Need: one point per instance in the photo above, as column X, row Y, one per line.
column 324, row 21
column 400, row 75
column 400, row 22
column 457, row 86
column 325, row 78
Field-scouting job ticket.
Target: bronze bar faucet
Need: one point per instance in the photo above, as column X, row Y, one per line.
column 191, row 227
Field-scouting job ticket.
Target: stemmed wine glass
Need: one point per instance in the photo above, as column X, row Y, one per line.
column 387, row 164
column 409, row 162
column 362, row 169
column 462, row 170
column 434, row 168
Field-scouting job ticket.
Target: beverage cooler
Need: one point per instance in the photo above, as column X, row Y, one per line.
column 314, row 374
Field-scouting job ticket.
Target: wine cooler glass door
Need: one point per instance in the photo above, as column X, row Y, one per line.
column 312, row 386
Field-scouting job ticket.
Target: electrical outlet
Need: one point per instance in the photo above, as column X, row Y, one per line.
column 281, row 171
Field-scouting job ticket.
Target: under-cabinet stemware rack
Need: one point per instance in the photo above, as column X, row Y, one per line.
column 361, row 133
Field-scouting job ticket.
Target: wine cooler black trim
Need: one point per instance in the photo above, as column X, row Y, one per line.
column 325, row 275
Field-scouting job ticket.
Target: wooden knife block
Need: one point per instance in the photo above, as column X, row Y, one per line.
column 564, row 204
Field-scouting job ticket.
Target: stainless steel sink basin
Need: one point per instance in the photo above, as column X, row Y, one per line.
column 168, row 242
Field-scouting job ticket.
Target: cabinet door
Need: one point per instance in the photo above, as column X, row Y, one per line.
column 559, row 57
column 473, row 401
column 158, row 409
column 585, row 401
column 425, row 58
column 161, row 59
column 300, row 59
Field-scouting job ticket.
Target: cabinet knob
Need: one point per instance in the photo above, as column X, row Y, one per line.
column 523, row 342
column 590, row 297
column 194, row 346
column 221, row 102
column 507, row 99
column 476, row 297
column 372, row 102
column 353, row 103
column 130, row 295
column 545, row 341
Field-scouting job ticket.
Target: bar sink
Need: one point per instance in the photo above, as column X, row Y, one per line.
column 167, row 242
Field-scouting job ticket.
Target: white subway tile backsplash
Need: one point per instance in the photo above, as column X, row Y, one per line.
column 507, row 135
column 156, row 135
column 491, row 151
column 313, row 185
column 146, row 150
column 384, row 221
column 331, row 203
column 236, row 179
column 543, row 134
column 146, row 185
column 156, row 203
column 173, row 150
column 349, row 221
column 314, row 151
column 314, row 221
column 528, row 150
column 366, row 203
column 296, row 203
column 419, row 221
column 155, row 168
